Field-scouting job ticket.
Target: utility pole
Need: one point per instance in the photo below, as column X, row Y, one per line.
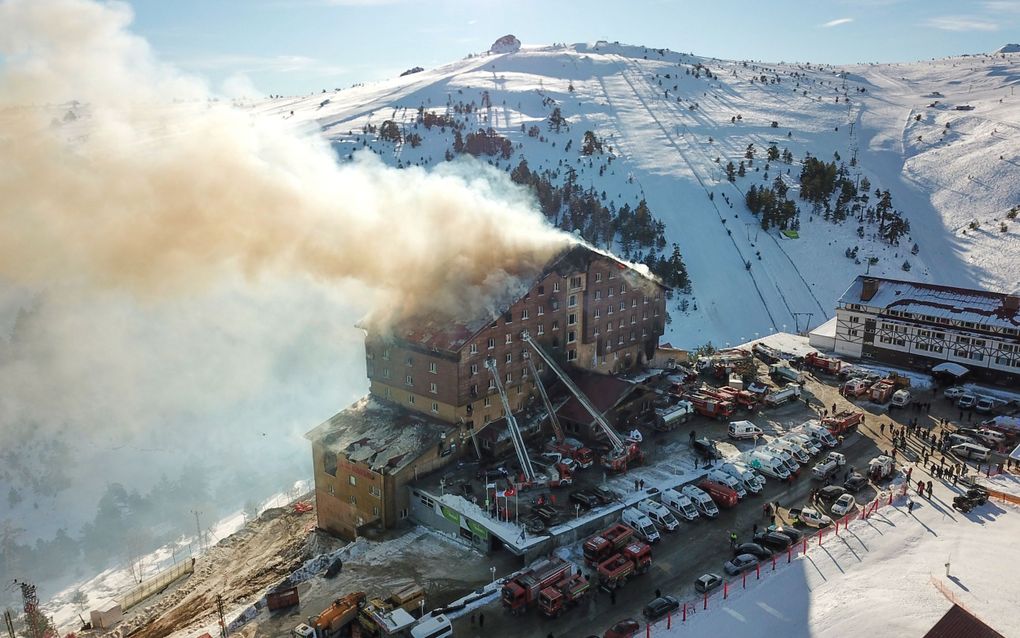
column 223, row 620
column 198, row 529
column 9, row 623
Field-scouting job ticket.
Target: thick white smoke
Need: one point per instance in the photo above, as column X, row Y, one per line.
column 179, row 278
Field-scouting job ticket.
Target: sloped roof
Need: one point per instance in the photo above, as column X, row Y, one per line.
column 383, row 435
column 982, row 307
column 451, row 334
column 604, row 391
column 960, row 623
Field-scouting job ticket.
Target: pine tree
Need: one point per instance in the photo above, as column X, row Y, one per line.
column 731, row 172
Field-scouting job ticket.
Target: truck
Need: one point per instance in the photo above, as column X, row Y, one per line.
column 767, row 354
column 723, row 495
column 606, row 543
column 335, row 621
column 826, row 365
column 726, row 362
column 711, row 407
column 855, row 388
column 783, row 371
column 743, row 398
column 572, row 448
column 779, row 397
column 634, row 558
column 881, row 467
column 522, row 591
column 554, row 599
column 842, row 422
column 282, row 597
column 824, row 469
column 881, row 391
column 670, row 417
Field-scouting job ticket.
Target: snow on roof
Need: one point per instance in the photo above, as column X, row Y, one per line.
column 949, row 367
column 982, row 307
column 382, row 435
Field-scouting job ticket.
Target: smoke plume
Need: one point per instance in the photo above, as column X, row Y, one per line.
column 118, row 171
column 179, row 278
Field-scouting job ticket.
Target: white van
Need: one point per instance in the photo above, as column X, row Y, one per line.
column 744, row 475
column 971, row 451
column 769, row 464
column 791, row 464
column 643, row 525
column 437, row 626
column 824, row 469
column 659, row 514
column 744, row 430
column 735, row 484
column 992, row 437
column 798, row 453
column 820, row 434
column 679, row 503
column 702, row 501
column 901, row 398
column 805, row 441
column 960, row 439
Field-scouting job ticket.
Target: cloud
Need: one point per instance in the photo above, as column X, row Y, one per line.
column 837, row 22
column 1002, row 6
column 240, row 63
column 961, row 23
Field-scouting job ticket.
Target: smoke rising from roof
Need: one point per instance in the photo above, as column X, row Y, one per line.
column 119, row 186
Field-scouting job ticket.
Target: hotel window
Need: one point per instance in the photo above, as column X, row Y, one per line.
column 598, row 313
column 433, row 367
column 487, row 402
column 492, row 343
column 619, row 341
column 556, row 286
column 375, row 510
column 541, row 310
column 541, row 290
column 623, row 305
column 633, row 302
column 571, row 319
column 435, row 407
column 509, row 377
column 509, row 338
column 571, row 355
column 473, row 349
column 353, row 480
column 556, row 325
column 598, row 295
column 598, row 277
column 386, row 373
column 386, row 354
column 609, row 309
column 509, row 357
column 610, row 291
column 623, row 289
column 492, row 384
column 572, row 301
column 434, row 388
column 474, row 369
column 408, row 380
column 410, row 362
column 633, row 318
column 524, row 314
column 609, row 326
column 571, row 337
column 575, row 282
column 410, row 399
column 354, row 500
column 596, row 331
column 541, row 328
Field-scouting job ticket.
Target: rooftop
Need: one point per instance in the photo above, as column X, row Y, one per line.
column 983, row 308
column 604, row 391
column 451, row 334
column 382, row 435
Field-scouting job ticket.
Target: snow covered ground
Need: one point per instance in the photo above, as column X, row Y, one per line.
column 879, row 579
column 667, row 126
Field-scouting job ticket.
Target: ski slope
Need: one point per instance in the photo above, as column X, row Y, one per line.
column 672, row 128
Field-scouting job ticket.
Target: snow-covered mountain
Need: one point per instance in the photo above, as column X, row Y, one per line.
column 941, row 136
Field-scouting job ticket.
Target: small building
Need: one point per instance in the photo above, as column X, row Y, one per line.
column 365, row 455
column 920, row 325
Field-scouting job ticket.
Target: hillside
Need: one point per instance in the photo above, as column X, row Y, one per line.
column 669, row 123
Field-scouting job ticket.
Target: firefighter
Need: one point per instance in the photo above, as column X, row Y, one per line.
column 733, row 539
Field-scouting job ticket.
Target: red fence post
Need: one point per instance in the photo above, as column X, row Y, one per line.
column 789, row 554
column 745, row 580
column 669, row 620
column 725, row 589
column 890, row 497
column 804, row 551
column 757, row 571
column 685, row 613
column 837, row 528
column 773, row 562
column 648, row 630
column 706, row 601
column 820, row 534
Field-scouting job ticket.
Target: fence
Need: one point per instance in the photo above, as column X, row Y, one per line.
column 714, row 599
column 156, row 584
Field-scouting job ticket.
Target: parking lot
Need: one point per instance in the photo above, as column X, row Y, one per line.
column 703, row 545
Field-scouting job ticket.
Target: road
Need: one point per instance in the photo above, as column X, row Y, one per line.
column 698, row 547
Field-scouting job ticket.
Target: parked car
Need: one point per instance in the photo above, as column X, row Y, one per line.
column 660, row 607
column 707, row 582
column 984, row 405
column 706, row 449
column 794, row 534
column 830, row 494
column 585, row 499
column 604, row 494
column 843, row 505
column 954, row 393
column 773, row 540
column 753, row 549
column 623, row 629
column 992, row 437
column 855, row 482
column 810, row 517
column 740, row 564
column 966, row 401
column 971, row 451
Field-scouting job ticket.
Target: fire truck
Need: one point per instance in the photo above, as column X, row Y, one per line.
column 843, row 421
column 523, row 590
column 825, row 365
column 634, row 558
column 710, row 406
column 606, row 543
column 553, row 600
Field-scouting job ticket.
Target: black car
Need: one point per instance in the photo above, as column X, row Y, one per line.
column 830, row 494
column 585, row 498
column 334, row 568
column 706, row 448
column 795, row 535
column 707, row 582
column 773, row 540
column 855, row 482
column 660, row 607
column 753, row 549
column 604, row 494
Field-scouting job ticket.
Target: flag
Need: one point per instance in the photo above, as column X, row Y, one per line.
column 509, row 492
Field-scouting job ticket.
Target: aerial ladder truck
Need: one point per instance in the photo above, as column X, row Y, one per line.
column 571, row 448
column 511, row 425
column 620, row 454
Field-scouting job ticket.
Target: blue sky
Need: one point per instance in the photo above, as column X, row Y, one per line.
column 300, row 46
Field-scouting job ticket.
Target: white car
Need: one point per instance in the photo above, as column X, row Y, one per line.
column 812, row 517
column 555, row 457
column 843, row 505
column 954, row 392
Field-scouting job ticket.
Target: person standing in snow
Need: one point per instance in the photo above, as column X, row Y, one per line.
column 929, row 489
